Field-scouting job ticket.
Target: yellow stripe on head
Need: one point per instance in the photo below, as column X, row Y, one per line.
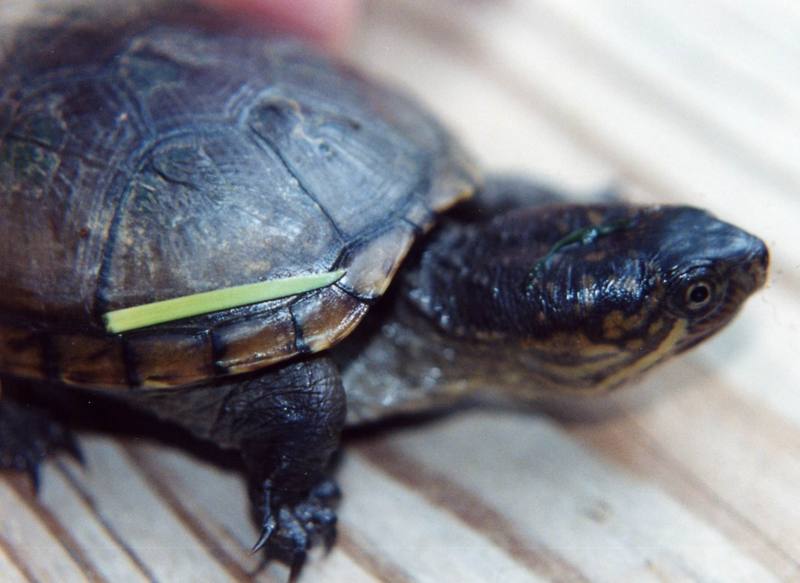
column 648, row 359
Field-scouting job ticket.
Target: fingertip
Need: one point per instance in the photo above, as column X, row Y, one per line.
column 329, row 23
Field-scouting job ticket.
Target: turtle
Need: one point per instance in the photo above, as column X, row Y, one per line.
column 151, row 156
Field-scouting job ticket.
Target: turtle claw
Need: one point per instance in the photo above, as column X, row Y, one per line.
column 266, row 531
column 291, row 524
column 27, row 436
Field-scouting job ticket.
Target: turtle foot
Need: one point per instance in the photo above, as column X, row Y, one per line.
column 27, row 436
column 291, row 523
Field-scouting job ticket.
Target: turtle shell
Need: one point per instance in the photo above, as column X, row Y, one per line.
column 161, row 158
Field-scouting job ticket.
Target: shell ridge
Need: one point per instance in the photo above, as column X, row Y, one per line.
column 262, row 142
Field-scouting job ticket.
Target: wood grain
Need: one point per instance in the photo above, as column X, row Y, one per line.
column 691, row 476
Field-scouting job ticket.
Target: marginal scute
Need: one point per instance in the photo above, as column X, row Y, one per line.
column 326, row 317
column 252, row 343
column 21, row 352
column 420, row 216
column 89, row 360
column 455, row 179
column 372, row 265
column 169, row 359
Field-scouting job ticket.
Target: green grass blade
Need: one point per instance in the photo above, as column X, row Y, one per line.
column 216, row 300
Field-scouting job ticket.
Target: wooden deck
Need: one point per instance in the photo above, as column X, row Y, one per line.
column 692, row 476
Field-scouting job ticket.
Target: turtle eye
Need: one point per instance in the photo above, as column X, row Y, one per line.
column 698, row 295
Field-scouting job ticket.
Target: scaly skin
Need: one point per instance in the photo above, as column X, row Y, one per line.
column 465, row 316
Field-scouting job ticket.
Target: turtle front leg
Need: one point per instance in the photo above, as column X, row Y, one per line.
column 27, row 436
column 286, row 422
column 289, row 424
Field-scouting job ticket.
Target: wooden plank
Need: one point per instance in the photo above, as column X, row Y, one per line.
column 600, row 519
column 624, row 122
column 761, row 340
column 623, row 434
column 91, row 538
column 11, row 572
column 439, row 61
column 720, row 437
column 137, row 514
column 721, row 91
column 27, row 542
column 215, row 504
column 459, row 553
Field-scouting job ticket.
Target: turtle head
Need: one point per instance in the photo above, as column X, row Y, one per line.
column 584, row 297
column 705, row 268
